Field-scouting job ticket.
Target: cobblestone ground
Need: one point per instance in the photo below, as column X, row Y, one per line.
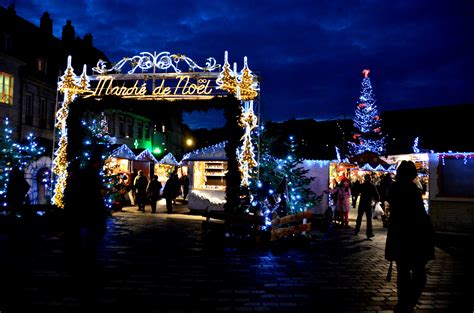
column 165, row 263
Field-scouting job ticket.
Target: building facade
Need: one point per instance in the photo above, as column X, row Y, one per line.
column 31, row 61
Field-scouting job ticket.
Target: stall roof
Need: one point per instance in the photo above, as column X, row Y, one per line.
column 368, row 158
column 169, row 159
column 123, row 152
column 211, row 153
column 146, row 155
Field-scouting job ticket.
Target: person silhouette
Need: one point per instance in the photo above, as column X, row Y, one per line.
column 153, row 190
column 410, row 237
column 184, row 181
column 17, row 188
column 140, row 184
column 368, row 192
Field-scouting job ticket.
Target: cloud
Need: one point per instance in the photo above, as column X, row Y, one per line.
column 309, row 54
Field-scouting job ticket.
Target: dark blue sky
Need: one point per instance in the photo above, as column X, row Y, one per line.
column 310, row 54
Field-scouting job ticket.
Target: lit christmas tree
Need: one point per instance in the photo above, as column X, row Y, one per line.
column 283, row 180
column 96, row 134
column 227, row 79
column 368, row 136
column 247, row 89
column 14, row 154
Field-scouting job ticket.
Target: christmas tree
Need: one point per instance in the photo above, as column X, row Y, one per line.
column 368, row 136
column 295, row 182
column 97, row 138
column 283, row 185
column 13, row 153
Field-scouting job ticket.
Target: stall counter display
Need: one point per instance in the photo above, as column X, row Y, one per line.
column 210, row 175
column 117, row 165
column 163, row 171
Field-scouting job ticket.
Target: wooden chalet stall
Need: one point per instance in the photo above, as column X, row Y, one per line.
column 145, row 161
column 120, row 160
column 165, row 167
column 207, row 168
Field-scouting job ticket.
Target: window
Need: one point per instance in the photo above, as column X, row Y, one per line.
column 139, row 130
column 6, row 42
column 41, row 65
column 51, row 117
column 43, row 113
column 29, row 109
column 129, row 127
column 147, row 131
column 6, row 88
column 121, row 125
column 111, row 124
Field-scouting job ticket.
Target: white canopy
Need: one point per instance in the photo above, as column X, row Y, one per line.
column 146, row 155
column 211, row 153
column 169, row 159
column 123, row 152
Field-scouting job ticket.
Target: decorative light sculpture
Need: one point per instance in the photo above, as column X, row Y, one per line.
column 70, row 85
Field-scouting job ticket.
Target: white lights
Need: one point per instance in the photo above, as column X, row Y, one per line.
column 367, row 120
column 146, row 61
column 415, row 146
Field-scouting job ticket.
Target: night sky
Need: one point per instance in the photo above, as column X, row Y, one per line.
column 309, row 54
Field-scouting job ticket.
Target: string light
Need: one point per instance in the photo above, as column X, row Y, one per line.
column 415, row 146
column 146, row 155
column 14, row 154
column 455, row 155
column 169, row 159
column 214, row 152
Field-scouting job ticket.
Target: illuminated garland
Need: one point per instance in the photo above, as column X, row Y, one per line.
column 245, row 89
column 70, row 85
column 246, row 155
column 415, row 146
column 455, row 155
column 146, row 61
column 169, row 159
column 123, row 152
column 215, row 152
column 243, row 86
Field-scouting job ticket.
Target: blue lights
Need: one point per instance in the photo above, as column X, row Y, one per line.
column 367, row 120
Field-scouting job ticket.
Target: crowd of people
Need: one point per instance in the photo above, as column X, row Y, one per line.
column 143, row 191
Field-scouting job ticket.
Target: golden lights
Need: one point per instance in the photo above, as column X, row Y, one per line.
column 70, row 85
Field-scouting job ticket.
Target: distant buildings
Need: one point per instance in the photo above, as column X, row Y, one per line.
column 31, row 61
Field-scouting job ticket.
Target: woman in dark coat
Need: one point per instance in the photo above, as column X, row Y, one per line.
column 410, row 237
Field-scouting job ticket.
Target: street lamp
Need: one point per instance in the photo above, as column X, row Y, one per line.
column 189, row 142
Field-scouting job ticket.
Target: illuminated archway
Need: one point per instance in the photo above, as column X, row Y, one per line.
column 159, row 77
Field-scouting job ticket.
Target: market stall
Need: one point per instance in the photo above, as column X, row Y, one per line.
column 144, row 162
column 120, row 160
column 165, row 167
column 207, row 169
